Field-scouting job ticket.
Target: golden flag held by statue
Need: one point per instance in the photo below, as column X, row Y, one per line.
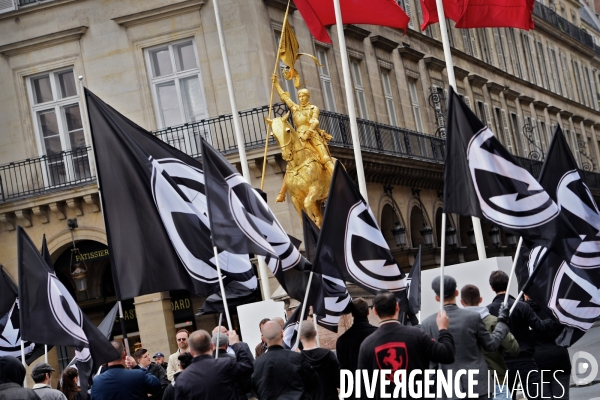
column 288, row 54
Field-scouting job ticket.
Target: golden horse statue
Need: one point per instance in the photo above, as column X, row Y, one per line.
column 306, row 179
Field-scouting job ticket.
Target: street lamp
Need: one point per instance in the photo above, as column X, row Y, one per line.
column 471, row 234
column 451, row 237
column 495, row 235
column 399, row 233
column 427, row 231
column 78, row 270
column 511, row 239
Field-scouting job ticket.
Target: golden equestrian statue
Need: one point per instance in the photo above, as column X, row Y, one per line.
column 309, row 163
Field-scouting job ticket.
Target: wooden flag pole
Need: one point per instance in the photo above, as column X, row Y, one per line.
column 452, row 82
column 360, row 171
column 512, row 270
column 222, row 287
column 310, row 276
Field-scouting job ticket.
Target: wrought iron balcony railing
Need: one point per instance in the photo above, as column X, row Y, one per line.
column 72, row 168
column 550, row 16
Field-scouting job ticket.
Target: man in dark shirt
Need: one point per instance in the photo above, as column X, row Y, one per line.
column 521, row 368
column 323, row 361
column 142, row 358
column 349, row 342
column 397, row 347
column 208, row 378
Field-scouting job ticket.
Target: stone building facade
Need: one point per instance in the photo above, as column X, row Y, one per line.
column 159, row 63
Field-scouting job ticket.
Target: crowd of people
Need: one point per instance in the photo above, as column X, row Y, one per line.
column 220, row 366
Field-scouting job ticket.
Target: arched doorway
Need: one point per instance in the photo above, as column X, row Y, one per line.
column 389, row 217
column 416, row 224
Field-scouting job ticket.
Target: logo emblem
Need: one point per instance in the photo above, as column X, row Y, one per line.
column 368, row 256
column 508, row 194
column 575, row 300
column 65, row 309
column 179, row 195
column 336, row 300
column 10, row 335
column 392, row 356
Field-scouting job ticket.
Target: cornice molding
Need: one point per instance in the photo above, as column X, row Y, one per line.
column 40, row 42
column 435, row 63
column 494, row 87
column 356, row 32
column 409, row 53
column 155, row 14
column 383, row 43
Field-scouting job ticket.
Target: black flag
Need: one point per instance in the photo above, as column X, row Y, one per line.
column 351, row 241
column 242, row 222
column 292, row 327
column 334, row 294
column 154, row 202
column 8, row 292
column 413, row 282
column 46, row 254
column 236, row 294
column 46, row 302
column 483, row 179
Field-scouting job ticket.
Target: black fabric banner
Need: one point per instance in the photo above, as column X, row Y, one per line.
column 45, row 301
column 351, row 241
column 153, row 197
column 414, row 284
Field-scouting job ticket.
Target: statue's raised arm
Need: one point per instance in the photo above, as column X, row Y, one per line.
column 283, row 95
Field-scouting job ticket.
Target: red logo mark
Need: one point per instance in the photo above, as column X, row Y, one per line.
column 392, row 356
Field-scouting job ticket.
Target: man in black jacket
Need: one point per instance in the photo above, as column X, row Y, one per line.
column 323, row 361
column 396, row 347
column 521, row 368
column 349, row 342
column 12, row 375
column 281, row 374
column 209, row 378
column 142, row 358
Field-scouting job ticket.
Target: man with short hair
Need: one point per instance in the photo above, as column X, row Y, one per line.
column 230, row 350
column 42, row 376
column 221, row 343
column 159, row 359
column 185, row 360
column 523, row 367
column 348, row 344
column 280, row 373
column 209, row 378
column 470, row 336
column 323, row 362
column 121, row 383
column 182, row 344
column 142, row 358
column 396, row 347
column 261, row 348
column 471, row 300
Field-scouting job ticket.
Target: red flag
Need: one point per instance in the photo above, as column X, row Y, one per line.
column 320, row 13
column 482, row 13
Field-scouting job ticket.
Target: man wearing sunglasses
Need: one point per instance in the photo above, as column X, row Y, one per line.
column 182, row 344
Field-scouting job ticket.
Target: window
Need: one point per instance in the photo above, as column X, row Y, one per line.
column 414, row 99
column 325, row 76
column 406, row 5
column 467, row 41
column 544, row 135
column 499, row 48
column 515, row 124
column 514, row 53
column 55, row 105
column 389, row 98
column 589, row 86
column 576, row 73
column 543, row 69
column 484, row 45
column 555, row 74
column 176, row 83
column 359, row 90
column 566, row 75
column 507, row 136
column 529, row 54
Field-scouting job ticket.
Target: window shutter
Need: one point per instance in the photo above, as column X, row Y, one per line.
column 566, row 75
column 506, row 132
column 7, row 5
column 488, row 116
column 474, row 47
column 499, row 49
column 467, row 102
column 466, row 41
column 409, row 13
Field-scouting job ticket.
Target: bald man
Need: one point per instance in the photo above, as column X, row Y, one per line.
column 230, row 350
column 280, row 373
column 208, row 378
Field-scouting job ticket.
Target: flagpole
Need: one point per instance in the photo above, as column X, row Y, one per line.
column 218, row 333
column 316, row 329
column 360, row 172
column 452, row 81
column 515, row 303
column 512, row 270
column 110, row 254
column 442, row 261
column 23, row 361
column 222, row 286
column 310, row 276
column 239, row 137
column 46, row 353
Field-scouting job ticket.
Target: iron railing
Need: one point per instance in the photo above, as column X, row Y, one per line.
column 71, row 168
column 561, row 23
column 46, row 173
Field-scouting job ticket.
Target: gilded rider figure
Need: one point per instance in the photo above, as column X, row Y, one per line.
column 306, row 121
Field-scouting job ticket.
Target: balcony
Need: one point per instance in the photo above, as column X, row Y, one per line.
column 551, row 17
column 70, row 169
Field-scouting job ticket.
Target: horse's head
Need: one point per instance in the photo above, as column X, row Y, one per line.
column 284, row 133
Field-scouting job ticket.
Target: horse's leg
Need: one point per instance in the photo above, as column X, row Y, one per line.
column 297, row 205
column 311, row 205
column 281, row 196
